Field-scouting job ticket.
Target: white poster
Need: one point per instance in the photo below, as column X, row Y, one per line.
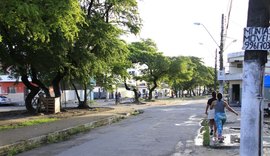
column 256, row 38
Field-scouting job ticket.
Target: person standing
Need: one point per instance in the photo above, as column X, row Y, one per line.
column 210, row 112
column 220, row 115
column 119, row 97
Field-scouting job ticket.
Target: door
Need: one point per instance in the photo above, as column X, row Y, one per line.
column 236, row 93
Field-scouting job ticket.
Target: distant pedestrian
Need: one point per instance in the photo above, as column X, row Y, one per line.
column 139, row 94
column 119, row 97
column 210, row 112
column 116, row 98
column 156, row 94
column 220, row 115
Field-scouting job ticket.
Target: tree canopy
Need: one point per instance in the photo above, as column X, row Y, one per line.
column 145, row 53
column 80, row 40
column 48, row 40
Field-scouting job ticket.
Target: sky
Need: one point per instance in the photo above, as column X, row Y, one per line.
column 171, row 25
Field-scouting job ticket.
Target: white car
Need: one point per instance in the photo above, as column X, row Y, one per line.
column 4, row 100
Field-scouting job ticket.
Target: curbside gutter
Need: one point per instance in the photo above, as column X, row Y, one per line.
column 62, row 135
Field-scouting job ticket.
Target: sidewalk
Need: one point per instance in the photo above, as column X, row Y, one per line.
column 231, row 131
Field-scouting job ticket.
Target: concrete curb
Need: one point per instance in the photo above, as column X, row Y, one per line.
column 61, row 135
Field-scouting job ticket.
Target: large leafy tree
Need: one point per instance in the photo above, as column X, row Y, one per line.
column 99, row 52
column 34, row 40
column 202, row 76
column 146, row 53
column 181, row 70
column 41, row 39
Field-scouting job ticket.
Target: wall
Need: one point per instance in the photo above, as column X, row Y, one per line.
column 4, row 87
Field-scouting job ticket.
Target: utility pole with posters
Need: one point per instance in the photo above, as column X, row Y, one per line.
column 256, row 44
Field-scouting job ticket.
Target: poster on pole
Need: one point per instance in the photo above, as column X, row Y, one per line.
column 256, row 38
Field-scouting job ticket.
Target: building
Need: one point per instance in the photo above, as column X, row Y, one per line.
column 17, row 91
column 161, row 91
column 234, row 76
column 12, row 88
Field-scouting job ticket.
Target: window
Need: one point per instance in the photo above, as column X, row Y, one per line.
column 142, row 84
column 12, row 89
column 132, row 73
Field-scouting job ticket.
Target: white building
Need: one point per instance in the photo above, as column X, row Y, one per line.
column 142, row 85
column 234, row 75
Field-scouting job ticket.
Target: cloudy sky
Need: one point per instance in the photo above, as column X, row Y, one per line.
column 170, row 24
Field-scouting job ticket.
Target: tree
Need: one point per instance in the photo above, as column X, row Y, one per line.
column 181, row 70
column 34, row 39
column 145, row 53
column 49, row 40
column 201, row 76
column 99, row 50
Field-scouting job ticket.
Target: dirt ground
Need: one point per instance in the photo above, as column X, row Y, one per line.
column 15, row 117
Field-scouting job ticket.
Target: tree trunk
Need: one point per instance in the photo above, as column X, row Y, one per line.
column 175, row 93
column 194, row 94
column 39, row 83
column 107, row 96
column 33, row 92
column 172, row 93
column 151, row 90
column 83, row 104
column 56, row 84
column 182, row 92
column 77, row 94
column 136, row 97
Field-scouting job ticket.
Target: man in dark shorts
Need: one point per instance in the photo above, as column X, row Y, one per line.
column 211, row 113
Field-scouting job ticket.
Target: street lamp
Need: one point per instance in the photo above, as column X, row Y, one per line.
column 215, row 74
column 233, row 41
column 207, row 32
column 215, row 80
column 221, row 50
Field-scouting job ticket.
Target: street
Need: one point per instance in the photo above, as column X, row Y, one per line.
column 163, row 130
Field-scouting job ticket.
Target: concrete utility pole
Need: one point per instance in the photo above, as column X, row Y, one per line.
column 221, row 50
column 252, row 99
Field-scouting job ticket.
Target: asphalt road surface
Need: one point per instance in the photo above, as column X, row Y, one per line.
column 159, row 131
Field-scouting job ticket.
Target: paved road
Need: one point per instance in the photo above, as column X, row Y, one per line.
column 159, row 131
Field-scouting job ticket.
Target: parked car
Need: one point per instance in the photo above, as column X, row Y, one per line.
column 4, row 100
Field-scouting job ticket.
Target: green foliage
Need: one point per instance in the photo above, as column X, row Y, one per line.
column 80, row 39
column 39, row 19
column 202, row 75
column 36, row 35
column 157, row 65
column 181, row 70
column 206, row 134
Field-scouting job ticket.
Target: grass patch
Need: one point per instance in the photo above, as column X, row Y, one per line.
column 27, row 123
column 206, row 135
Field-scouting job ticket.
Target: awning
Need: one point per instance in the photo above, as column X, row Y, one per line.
column 267, row 81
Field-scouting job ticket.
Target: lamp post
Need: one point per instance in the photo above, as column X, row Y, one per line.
column 215, row 73
column 215, row 80
column 233, row 41
column 221, row 50
column 207, row 32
